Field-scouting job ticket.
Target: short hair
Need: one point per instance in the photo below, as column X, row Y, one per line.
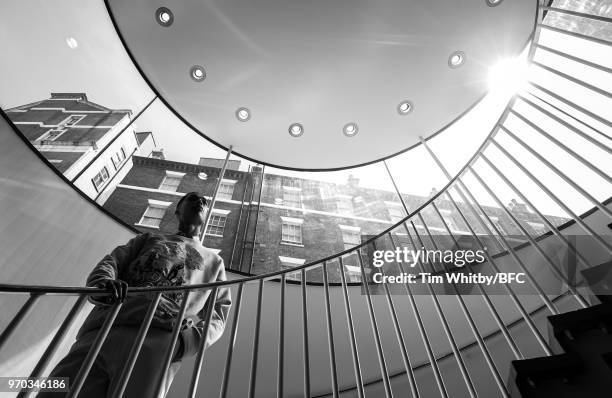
column 187, row 194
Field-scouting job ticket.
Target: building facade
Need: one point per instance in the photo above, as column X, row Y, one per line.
column 91, row 145
column 263, row 222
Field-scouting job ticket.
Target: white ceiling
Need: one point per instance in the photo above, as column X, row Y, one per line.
column 322, row 64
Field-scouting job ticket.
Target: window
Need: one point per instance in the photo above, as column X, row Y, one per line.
column 72, row 120
column 290, row 262
column 217, row 221
column 118, row 158
column 154, row 213
column 291, row 182
column 52, row 135
column 344, row 204
column 171, row 181
column 100, row 178
column 292, row 197
column 351, row 236
column 291, row 230
column 396, row 211
column 226, row 189
column 60, row 129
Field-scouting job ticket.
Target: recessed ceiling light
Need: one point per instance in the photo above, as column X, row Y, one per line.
column 493, row 3
column 164, row 16
column 456, row 59
column 197, row 73
column 350, row 129
column 72, row 42
column 296, row 129
column 243, row 114
column 404, row 107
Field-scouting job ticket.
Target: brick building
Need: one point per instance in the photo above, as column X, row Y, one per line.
column 89, row 144
column 296, row 221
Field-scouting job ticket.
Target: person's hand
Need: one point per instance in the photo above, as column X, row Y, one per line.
column 117, row 288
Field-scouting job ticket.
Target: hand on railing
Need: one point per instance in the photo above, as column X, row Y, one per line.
column 118, row 290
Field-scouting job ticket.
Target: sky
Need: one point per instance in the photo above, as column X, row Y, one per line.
column 74, row 48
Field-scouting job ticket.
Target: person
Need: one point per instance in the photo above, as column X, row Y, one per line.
column 150, row 260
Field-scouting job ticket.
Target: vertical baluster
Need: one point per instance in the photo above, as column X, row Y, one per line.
column 573, row 79
column 379, row 350
column 521, row 196
column 535, row 244
column 440, row 312
column 561, row 174
column 400, row 337
column 558, row 201
column 561, row 145
column 498, row 379
column 571, row 104
column 576, row 34
column 567, row 125
column 79, row 380
column 257, row 218
column 253, row 374
column 575, row 118
column 515, row 300
column 281, row 339
column 349, row 320
column 126, row 371
column 23, row 311
column 239, row 219
column 517, row 303
column 305, row 337
column 232, row 341
column 512, row 252
column 330, row 335
column 59, row 336
column 415, row 310
column 197, row 367
column 161, row 382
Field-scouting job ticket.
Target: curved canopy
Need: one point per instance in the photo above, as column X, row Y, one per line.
column 323, row 65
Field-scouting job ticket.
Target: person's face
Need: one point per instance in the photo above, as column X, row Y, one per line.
column 192, row 209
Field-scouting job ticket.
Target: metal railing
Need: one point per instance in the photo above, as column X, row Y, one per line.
column 534, row 110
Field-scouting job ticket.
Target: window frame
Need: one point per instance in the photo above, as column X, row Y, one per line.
column 292, row 190
column 100, row 187
column 152, row 203
column 222, row 215
column 292, row 222
column 226, row 183
column 120, row 159
column 291, row 262
column 347, row 231
column 171, row 175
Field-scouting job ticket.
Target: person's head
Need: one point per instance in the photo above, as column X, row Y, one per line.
column 191, row 209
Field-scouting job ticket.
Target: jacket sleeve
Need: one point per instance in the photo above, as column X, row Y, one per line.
column 112, row 264
column 191, row 336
